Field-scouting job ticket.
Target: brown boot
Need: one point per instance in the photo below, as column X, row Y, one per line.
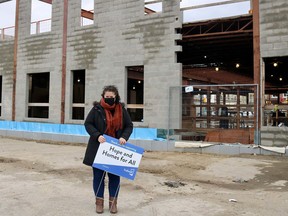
column 99, row 205
column 113, row 205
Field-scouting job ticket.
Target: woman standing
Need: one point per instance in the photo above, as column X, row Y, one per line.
column 106, row 117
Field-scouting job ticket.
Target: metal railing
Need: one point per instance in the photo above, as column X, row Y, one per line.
column 40, row 26
column 36, row 27
column 7, row 33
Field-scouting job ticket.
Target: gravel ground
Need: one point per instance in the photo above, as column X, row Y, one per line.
column 46, row 179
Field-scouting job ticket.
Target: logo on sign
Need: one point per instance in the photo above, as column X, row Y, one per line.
column 130, row 172
column 189, row 89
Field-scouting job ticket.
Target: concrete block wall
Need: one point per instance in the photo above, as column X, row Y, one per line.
column 121, row 36
column 160, row 67
column 274, row 136
column 6, row 71
column 39, row 53
column 273, row 28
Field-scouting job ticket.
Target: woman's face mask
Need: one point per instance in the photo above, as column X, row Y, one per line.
column 109, row 101
column 109, row 98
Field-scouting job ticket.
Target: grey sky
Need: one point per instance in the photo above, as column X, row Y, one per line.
column 42, row 10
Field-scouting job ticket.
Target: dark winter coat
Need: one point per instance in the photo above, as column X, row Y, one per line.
column 95, row 125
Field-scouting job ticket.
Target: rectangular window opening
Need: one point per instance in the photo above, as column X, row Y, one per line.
column 153, row 6
column 135, row 93
column 78, row 101
column 87, row 12
column 7, row 21
column 38, row 98
column 41, row 16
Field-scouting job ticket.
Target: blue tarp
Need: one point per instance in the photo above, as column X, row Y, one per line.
column 73, row 129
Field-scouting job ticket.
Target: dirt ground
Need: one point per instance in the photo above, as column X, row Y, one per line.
column 50, row 180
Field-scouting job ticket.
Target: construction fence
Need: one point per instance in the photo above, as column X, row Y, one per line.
column 214, row 113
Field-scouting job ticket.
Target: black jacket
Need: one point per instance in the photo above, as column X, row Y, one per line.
column 95, row 125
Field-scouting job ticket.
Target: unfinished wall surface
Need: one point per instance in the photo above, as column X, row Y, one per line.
column 36, row 54
column 273, row 28
column 121, row 36
column 6, row 71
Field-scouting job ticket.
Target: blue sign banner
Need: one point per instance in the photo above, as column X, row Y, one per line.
column 121, row 160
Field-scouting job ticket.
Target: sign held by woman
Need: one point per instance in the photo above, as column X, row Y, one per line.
column 121, row 160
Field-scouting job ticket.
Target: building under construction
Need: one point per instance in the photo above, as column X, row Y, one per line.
column 188, row 80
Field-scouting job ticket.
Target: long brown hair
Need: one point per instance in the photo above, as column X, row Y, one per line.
column 111, row 88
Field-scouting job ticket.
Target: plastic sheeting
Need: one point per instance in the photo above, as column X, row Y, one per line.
column 43, row 127
column 179, row 144
column 281, row 150
column 144, row 133
column 73, row 129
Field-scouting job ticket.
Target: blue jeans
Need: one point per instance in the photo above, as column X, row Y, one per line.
column 99, row 185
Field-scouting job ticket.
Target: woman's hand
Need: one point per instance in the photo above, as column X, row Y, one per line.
column 122, row 141
column 101, row 139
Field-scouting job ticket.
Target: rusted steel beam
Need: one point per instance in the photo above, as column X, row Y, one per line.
column 224, row 25
column 248, row 24
column 87, row 14
column 15, row 60
column 149, row 11
column 64, row 52
column 245, row 18
column 256, row 60
column 229, row 34
column 47, row 1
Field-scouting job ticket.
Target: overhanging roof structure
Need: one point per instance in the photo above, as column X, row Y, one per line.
column 227, row 44
column 219, row 43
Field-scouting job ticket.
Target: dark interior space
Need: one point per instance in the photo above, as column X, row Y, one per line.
column 216, row 48
column 276, row 75
column 221, row 52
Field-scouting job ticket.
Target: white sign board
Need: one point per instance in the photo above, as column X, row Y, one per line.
column 121, row 160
